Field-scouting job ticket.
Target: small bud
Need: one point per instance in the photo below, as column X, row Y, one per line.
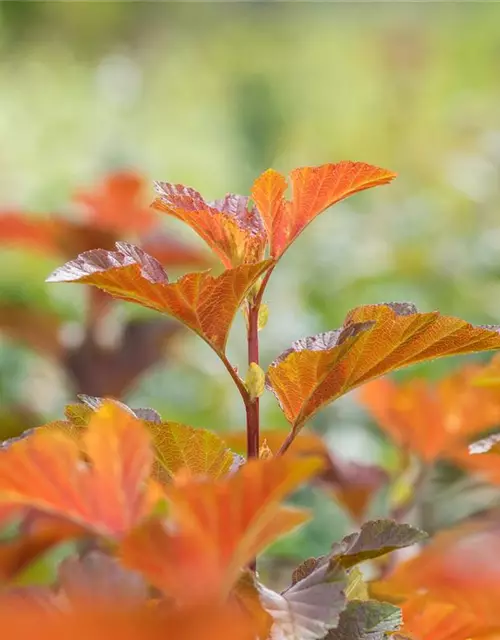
column 255, row 381
column 263, row 316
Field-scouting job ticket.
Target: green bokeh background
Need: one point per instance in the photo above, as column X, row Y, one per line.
column 212, row 94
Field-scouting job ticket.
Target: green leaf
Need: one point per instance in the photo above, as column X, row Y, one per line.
column 366, row 620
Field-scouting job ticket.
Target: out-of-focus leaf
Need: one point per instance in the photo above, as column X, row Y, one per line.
column 310, row 607
column 366, row 620
column 97, row 578
column 209, row 547
column 46, row 472
column 431, row 619
column 118, row 203
column 459, row 566
column 247, row 594
column 314, row 189
column 232, row 229
column 36, row 328
column 263, row 316
column 491, row 444
column 352, row 484
column 204, row 303
column 374, row 340
column 428, row 419
column 489, row 376
column 29, row 615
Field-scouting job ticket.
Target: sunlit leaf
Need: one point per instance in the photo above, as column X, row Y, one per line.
column 431, row 419
column 204, row 303
column 232, row 229
column 220, row 526
column 46, row 471
column 177, row 447
column 314, row 189
column 366, row 620
column 374, row 340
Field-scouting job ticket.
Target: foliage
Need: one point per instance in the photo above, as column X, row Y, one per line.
column 166, row 522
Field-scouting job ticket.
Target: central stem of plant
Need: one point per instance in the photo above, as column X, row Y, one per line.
column 252, row 406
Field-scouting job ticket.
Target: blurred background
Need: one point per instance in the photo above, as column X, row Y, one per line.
column 211, row 95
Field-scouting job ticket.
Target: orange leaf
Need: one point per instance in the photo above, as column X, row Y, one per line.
column 230, row 228
column 460, row 566
column 429, row 619
column 45, row 471
column 314, row 189
column 221, row 526
column 24, row 618
column 118, row 203
column 374, row 340
column 432, row 419
column 204, row 303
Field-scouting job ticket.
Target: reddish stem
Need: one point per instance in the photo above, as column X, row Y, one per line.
column 252, row 407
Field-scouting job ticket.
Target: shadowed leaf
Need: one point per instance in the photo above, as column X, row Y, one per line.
column 375, row 539
column 204, row 303
column 374, row 340
column 314, row 189
column 366, row 620
column 311, row 606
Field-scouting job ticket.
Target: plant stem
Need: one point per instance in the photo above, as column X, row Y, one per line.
column 252, row 407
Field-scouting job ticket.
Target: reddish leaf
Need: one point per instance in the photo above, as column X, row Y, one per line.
column 229, row 227
column 314, row 189
column 374, row 340
column 204, row 303
column 33, row 327
column 432, row 419
column 45, row 471
column 35, row 233
column 118, row 203
column 220, row 527
column 353, row 485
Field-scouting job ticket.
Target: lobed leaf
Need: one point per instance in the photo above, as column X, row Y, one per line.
column 314, row 189
column 232, row 229
column 432, row 419
column 310, row 607
column 376, row 538
column 366, row 620
column 204, row 303
column 220, row 526
column 178, row 447
column 374, row 340
column 45, row 471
